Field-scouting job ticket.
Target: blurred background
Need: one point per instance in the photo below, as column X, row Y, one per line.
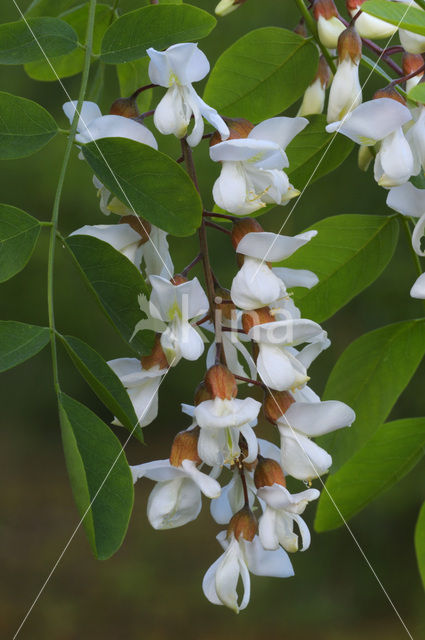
column 151, row 588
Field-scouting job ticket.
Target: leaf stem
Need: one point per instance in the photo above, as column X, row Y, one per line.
column 213, row 225
column 310, row 22
column 58, row 194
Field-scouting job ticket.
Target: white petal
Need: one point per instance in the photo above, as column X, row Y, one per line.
column 174, row 503
column 145, row 400
column 345, row 93
column 373, row 28
column 269, row 450
column 407, row 199
column 230, row 189
column 317, row 418
column 302, row 458
column 157, row 470
column 251, row 440
column 208, row 583
column 263, row 153
column 190, row 343
column 172, row 115
column 220, row 414
column 313, row 99
column 275, row 564
column 418, row 234
column 275, row 368
column 211, row 443
column 119, row 236
column 304, row 531
column 395, row 160
column 227, row 576
column 329, row 31
column 286, row 332
column 117, row 127
column 89, row 112
column 411, row 42
column 255, row 285
column 221, row 509
column 209, row 487
column 418, row 289
column 183, row 63
column 271, row 246
column 278, row 130
column 267, row 529
column 296, row 277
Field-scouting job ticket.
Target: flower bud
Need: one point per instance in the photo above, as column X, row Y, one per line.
column 221, row 382
column 227, row 6
column 389, row 92
column 242, row 227
column 185, row 447
column 227, row 309
column 300, row 29
column 364, row 157
column 329, row 26
column 314, row 96
column 243, row 524
column 368, row 26
column 276, row 404
column 201, row 394
column 142, row 227
column 238, row 128
column 267, row 473
column 126, row 107
column 411, row 63
column 350, row 45
column 156, row 358
column 256, row 316
column 178, row 279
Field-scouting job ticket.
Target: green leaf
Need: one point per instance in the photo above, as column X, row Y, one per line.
column 72, row 63
column 313, row 153
column 130, row 5
column 99, row 474
column 104, row 382
column 131, row 76
column 420, row 542
column 157, row 26
column 117, row 283
column 18, row 236
column 147, row 181
column 396, row 13
column 39, row 8
column 21, row 43
column 369, row 376
column 19, row 342
column 348, row 254
column 417, row 93
column 261, row 74
column 386, row 458
column 25, row 127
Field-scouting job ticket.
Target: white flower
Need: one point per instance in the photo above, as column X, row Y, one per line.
column 222, row 422
column 232, row 499
column 410, row 201
column 301, row 457
column 329, row 30
column 176, row 499
column 418, row 289
column 176, row 305
column 176, row 68
column 256, row 285
column 239, row 558
column 120, row 236
column 251, row 176
column 345, row 93
column 381, row 120
column 93, row 126
column 416, row 139
column 142, row 387
column 368, row 26
column 278, row 366
column 225, row 7
column 282, row 510
column 411, row 42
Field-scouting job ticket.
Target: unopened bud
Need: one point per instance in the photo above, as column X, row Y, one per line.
column 223, row 302
column 267, row 473
column 156, row 358
column 275, row 404
column 126, row 107
column 220, row 382
column 411, row 62
column 140, row 226
column 227, row 6
column 353, row 5
column 349, row 45
column 256, row 316
column 300, row 29
column 243, row 525
column 364, row 157
column 242, row 227
column 389, row 92
column 201, row 394
column 325, row 8
column 178, row 279
column 329, row 26
column 185, row 447
column 238, row 128
column 323, row 72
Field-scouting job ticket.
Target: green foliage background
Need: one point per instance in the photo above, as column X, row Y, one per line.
column 151, row 588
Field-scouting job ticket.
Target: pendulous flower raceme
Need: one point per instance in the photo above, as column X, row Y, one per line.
column 253, row 327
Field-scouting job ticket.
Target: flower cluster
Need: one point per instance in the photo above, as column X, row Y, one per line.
column 260, row 341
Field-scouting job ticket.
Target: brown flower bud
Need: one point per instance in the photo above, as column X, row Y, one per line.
column 411, row 62
column 156, row 358
column 201, row 394
column 238, row 128
column 223, row 303
column 178, row 279
column 275, row 404
column 220, row 382
column 300, row 29
column 242, row 227
column 243, row 524
column 256, row 316
column 324, row 8
column 141, row 226
column 185, row 447
column 268, row 472
column 323, row 72
column 353, row 4
column 349, row 45
column 126, row 107
column 389, row 92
